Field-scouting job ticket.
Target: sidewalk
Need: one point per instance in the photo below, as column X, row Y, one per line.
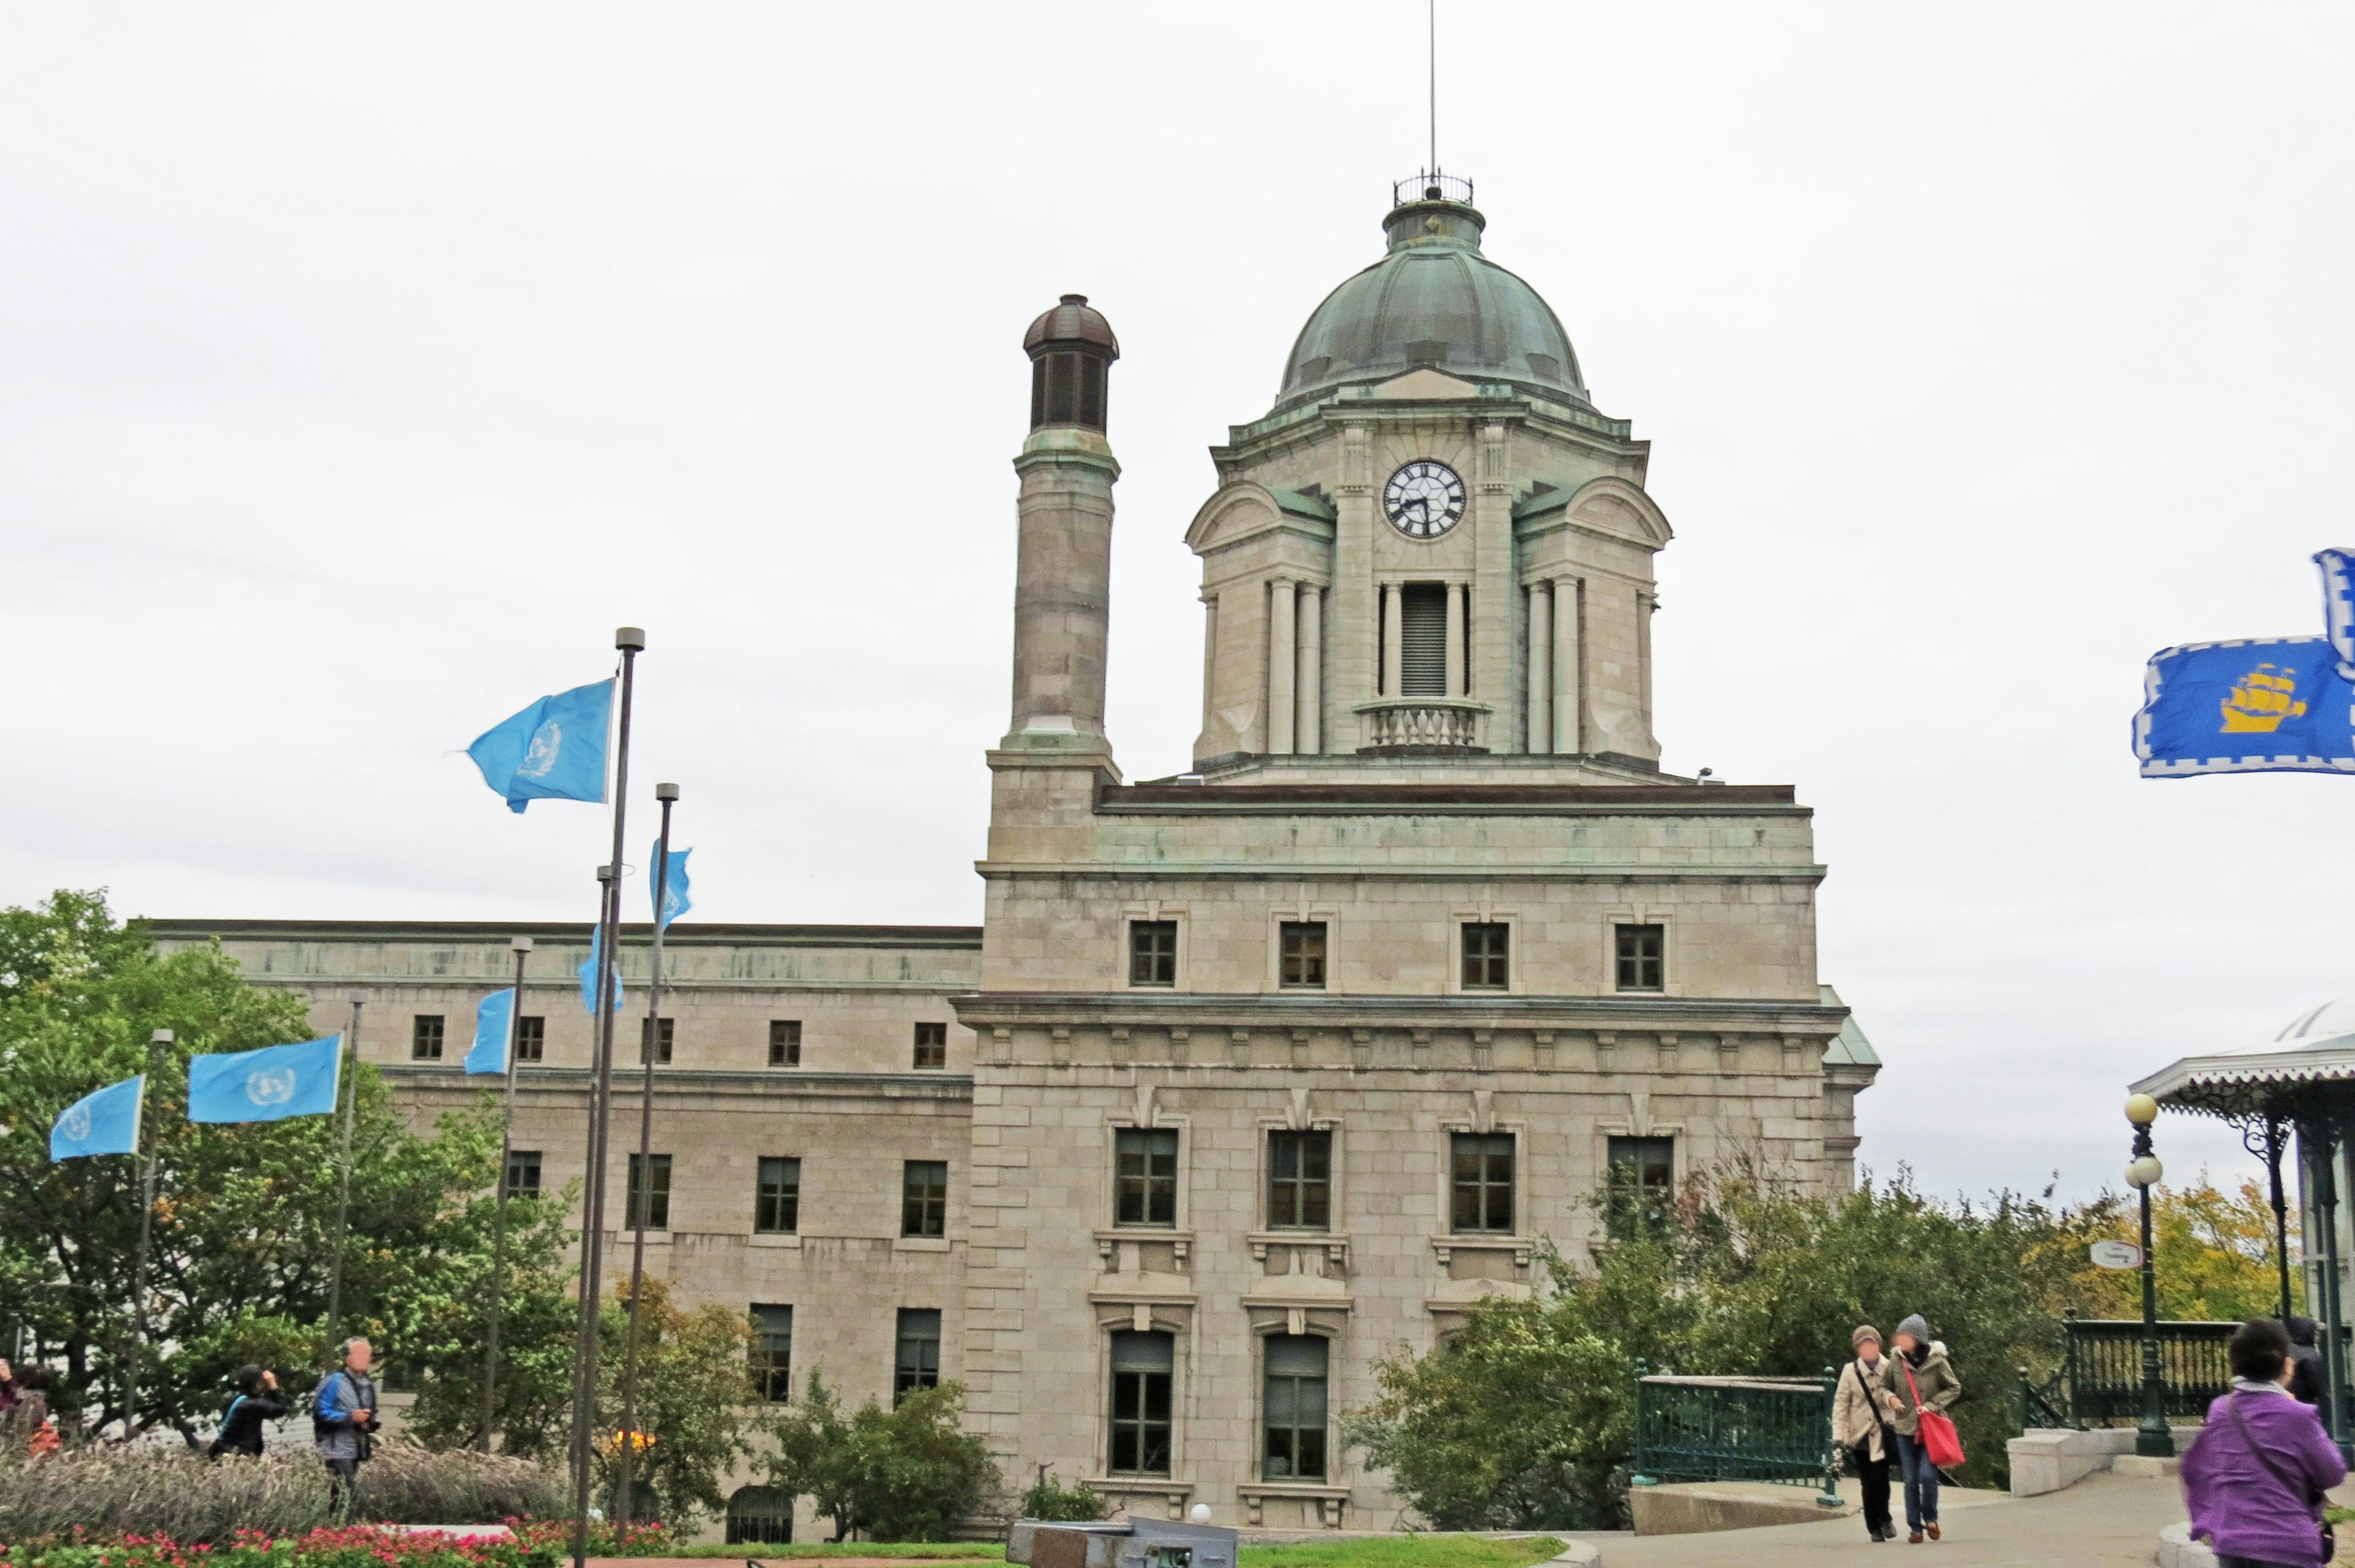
column 2101, row 1519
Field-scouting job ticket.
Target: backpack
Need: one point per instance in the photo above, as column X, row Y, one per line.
column 220, row 1445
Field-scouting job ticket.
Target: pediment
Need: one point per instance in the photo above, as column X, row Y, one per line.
column 1425, row 382
column 1244, row 508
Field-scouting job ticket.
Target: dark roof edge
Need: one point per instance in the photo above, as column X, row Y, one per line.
column 1393, row 798
column 684, row 933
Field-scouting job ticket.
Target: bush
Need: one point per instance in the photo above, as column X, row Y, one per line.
column 184, row 1498
column 1049, row 1499
column 909, row 1473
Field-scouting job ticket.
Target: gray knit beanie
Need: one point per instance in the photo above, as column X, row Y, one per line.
column 1915, row 1326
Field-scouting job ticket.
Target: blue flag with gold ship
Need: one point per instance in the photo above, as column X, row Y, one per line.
column 2247, row 706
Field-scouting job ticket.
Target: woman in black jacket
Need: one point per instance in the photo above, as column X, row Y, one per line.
column 256, row 1401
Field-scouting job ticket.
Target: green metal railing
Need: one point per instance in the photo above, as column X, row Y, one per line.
column 2102, row 1368
column 1736, row 1429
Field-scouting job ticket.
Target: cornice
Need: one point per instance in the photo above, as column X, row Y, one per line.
column 1202, row 1009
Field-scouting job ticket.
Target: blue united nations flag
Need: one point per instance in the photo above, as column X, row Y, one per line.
column 553, row 750
column 2250, row 705
column 105, row 1121
column 589, row 973
column 267, row 1086
column 492, row 1016
column 675, row 902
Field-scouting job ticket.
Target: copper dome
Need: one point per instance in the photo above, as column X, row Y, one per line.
column 1073, row 322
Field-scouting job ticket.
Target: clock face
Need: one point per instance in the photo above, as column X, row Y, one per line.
column 1424, row 499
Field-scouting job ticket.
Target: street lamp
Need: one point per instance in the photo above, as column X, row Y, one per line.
column 2153, row 1439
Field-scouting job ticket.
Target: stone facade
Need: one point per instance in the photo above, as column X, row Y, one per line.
column 1258, row 1075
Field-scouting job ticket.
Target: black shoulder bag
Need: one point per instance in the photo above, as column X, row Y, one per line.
column 2297, row 1485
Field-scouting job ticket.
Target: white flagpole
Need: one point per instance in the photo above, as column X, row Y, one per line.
column 521, row 946
column 669, row 794
column 347, row 1068
column 160, row 1038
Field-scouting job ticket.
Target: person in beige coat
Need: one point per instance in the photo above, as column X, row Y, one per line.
column 1862, row 1408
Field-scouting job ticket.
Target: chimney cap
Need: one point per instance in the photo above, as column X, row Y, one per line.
column 1073, row 323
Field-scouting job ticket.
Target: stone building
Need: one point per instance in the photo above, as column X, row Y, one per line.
column 1252, row 1075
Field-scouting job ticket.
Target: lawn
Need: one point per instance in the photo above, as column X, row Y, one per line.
column 1388, row 1551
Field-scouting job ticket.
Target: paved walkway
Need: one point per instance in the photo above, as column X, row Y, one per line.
column 2102, row 1519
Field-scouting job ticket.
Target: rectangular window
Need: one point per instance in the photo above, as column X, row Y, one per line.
column 523, row 1173
column 1301, row 955
column 1140, row 1403
column 931, row 1047
column 772, row 1352
column 918, row 1364
column 1423, row 640
column 1642, row 1187
column 1145, row 1177
column 656, row 1033
column 1640, row 950
column 651, row 1189
column 531, row 1039
column 1295, row 1408
column 1300, row 1181
column 777, row 1202
column 425, row 1038
column 1487, row 953
column 1153, row 953
column 1482, row 1175
column 784, row 1042
column 924, row 1198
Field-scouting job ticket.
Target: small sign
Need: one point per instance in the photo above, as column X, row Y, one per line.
column 2116, row 1254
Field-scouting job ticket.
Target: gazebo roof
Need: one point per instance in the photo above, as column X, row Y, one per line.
column 2310, row 1061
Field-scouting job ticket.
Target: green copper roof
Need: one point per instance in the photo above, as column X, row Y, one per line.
column 1851, row 1048
column 1433, row 300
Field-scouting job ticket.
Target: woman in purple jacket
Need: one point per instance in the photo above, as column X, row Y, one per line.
column 2254, row 1477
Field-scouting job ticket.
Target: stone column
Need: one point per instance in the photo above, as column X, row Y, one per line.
column 1541, row 667
column 1456, row 593
column 1309, row 690
column 1062, row 589
column 1569, row 677
column 1393, row 661
column 1283, row 666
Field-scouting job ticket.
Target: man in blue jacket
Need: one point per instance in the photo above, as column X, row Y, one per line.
column 343, row 1417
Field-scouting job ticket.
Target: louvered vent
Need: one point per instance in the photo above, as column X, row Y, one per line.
column 1423, row 640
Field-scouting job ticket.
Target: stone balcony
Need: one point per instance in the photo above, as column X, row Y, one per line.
column 1423, row 725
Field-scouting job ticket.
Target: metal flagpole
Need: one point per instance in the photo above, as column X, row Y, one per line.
column 347, row 1066
column 632, row 641
column 161, row 1037
column 592, row 1159
column 669, row 794
column 522, row 949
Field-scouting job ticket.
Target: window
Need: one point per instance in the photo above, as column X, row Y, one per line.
column 654, row 1195
column 425, row 1038
column 531, row 1039
column 1144, row 1177
column 772, row 1352
column 1482, row 1174
column 918, row 1364
column 924, row 1198
column 931, row 1046
column 1295, row 1408
column 656, row 1033
column 1641, row 1185
column 784, row 1042
column 1488, row 949
column 523, row 1173
column 1639, row 950
column 1140, row 1403
column 1300, row 945
column 777, row 1204
column 1300, row 1181
column 1423, row 640
column 760, row 1515
column 1152, row 952
column 1067, row 388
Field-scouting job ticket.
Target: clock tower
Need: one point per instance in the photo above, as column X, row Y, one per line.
column 1433, row 549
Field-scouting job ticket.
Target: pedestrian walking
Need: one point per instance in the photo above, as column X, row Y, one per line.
column 255, row 1401
column 1862, row 1408
column 343, row 1419
column 2305, row 1362
column 2254, row 1477
column 1918, row 1378
column 25, row 1426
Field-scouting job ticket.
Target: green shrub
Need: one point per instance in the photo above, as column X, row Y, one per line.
column 909, row 1473
column 1049, row 1499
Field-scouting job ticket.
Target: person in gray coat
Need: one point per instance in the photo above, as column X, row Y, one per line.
column 342, row 1418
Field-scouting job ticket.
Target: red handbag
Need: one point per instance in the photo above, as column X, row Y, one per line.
column 1933, row 1428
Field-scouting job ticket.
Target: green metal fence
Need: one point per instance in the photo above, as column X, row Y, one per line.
column 1736, row 1428
column 2102, row 1368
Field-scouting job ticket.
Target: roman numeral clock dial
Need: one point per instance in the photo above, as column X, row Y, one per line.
column 1424, row 499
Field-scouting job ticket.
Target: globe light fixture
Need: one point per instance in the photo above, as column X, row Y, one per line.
column 2145, row 1172
column 2141, row 1110
column 2153, row 1439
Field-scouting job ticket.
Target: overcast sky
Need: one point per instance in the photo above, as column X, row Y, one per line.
column 362, row 368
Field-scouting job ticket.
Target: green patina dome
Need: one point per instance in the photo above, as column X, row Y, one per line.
column 1434, row 300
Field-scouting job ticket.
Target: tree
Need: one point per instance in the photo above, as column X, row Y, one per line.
column 906, row 1474
column 2214, row 1251
column 1524, row 1419
column 245, row 1214
column 694, row 1385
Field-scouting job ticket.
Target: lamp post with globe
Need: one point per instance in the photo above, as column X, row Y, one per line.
column 2153, row 1439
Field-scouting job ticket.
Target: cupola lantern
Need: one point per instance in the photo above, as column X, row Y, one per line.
column 1072, row 349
